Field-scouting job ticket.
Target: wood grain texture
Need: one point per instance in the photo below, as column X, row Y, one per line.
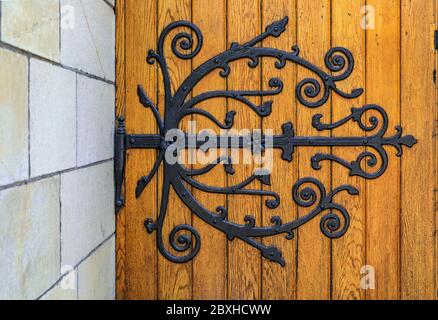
column 174, row 280
column 120, row 58
column 141, row 248
column 280, row 282
column 244, row 262
column 418, row 179
column 348, row 252
column 210, row 265
column 121, row 289
column 383, row 194
column 313, row 247
column 393, row 220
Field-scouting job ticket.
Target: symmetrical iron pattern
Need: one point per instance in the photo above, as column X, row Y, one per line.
column 307, row 192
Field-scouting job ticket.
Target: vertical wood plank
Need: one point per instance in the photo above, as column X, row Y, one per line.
column 280, row 282
column 174, row 280
column 436, row 158
column 383, row 194
column 313, row 279
column 120, row 109
column 141, row 249
column 210, row 265
column 349, row 251
column 418, row 179
column 244, row 262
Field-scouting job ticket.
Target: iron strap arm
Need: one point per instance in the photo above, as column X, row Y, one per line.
column 307, row 192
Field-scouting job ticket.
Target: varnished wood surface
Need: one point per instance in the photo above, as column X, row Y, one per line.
column 279, row 282
column 120, row 109
column 383, row 194
column 348, row 252
column 313, row 270
column 244, row 264
column 418, row 168
column 210, row 268
column 174, row 280
column 141, row 253
column 393, row 220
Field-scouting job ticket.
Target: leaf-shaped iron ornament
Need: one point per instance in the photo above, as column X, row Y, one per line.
column 306, row 193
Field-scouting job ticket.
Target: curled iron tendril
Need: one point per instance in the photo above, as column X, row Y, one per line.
column 187, row 45
column 376, row 153
column 333, row 224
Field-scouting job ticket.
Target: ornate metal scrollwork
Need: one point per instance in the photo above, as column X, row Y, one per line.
column 306, row 193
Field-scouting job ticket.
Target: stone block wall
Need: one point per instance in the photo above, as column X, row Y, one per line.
column 57, row 85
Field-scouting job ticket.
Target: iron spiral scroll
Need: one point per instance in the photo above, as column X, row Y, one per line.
column 306, row 192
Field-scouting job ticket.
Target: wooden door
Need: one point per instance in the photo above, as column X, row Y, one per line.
column 392, row 232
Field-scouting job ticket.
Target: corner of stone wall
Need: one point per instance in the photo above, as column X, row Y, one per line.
column 57, row 87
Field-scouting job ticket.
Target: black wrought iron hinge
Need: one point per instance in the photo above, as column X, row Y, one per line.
column 307, row 192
